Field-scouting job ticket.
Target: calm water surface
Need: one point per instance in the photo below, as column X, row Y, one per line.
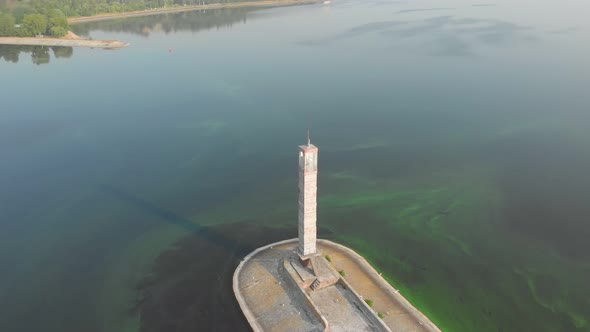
column 455, row 149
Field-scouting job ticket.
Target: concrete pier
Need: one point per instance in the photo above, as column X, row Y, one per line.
column 277, row 294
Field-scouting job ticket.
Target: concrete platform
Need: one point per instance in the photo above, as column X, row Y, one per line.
column 338, row 306
column 277, row 294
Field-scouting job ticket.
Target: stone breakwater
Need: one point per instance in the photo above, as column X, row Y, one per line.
column 277, row 293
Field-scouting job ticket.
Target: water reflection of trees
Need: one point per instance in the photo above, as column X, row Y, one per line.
column 186, row 21
column 40, row 55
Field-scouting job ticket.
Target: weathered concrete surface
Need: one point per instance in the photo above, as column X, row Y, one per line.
column 338, row 306
column 270, row 302
column 308, row 187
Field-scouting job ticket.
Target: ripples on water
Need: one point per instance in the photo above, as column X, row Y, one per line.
column 453, row 155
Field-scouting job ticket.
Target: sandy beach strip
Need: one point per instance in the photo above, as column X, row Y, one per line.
column 69, row 42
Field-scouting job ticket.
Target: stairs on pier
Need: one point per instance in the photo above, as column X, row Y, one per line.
column 315, row 284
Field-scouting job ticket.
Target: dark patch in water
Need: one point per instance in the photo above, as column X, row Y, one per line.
column 450, row 36
column 422, row 10
column 190, row 287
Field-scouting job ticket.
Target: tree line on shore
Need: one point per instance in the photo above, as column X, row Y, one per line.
column 29, row 18
column 51, row 23
column 166, row 23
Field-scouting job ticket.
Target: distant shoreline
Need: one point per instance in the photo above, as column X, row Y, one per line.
column 148, row 12
column 72, row 40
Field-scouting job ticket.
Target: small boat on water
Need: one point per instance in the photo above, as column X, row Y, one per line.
column 327, row 2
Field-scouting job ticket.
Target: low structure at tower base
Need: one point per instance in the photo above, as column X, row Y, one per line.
column 333, row 290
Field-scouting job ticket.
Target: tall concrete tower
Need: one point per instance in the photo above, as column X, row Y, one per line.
column 308, row 186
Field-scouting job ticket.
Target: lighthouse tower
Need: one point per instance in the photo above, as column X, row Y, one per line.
column 308, row 186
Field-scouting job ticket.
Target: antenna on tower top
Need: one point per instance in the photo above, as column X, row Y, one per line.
column 308, row 139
